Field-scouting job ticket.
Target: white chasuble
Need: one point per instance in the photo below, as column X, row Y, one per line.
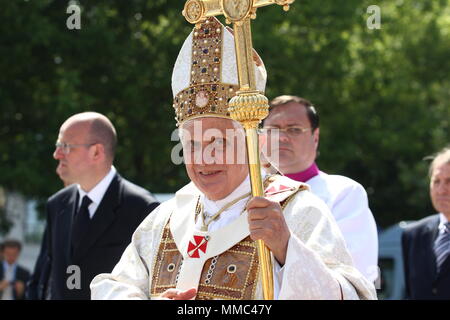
column 169, row 251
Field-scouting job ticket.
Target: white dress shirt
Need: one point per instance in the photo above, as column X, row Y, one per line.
column 442, row 221
column 97, row 193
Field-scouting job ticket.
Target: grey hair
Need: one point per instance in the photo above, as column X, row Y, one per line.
column 442, row 156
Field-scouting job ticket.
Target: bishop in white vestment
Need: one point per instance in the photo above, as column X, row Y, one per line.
column 200, row 244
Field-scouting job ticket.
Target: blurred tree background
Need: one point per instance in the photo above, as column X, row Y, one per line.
column 383, row 94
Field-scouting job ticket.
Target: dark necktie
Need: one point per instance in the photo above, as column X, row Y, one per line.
column 442, row 246
column 81, row 222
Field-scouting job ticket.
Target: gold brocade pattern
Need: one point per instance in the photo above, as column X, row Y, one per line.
column 204, row 100
column 206, row 94
column 168, row 262
column 235, row 274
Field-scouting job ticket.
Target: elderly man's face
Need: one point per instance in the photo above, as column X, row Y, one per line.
column 295, row 152
column 214, row 153
column 74, row 166
column 440, row 188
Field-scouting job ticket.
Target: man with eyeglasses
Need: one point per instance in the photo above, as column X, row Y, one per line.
column 91, row 220
column 290, row 134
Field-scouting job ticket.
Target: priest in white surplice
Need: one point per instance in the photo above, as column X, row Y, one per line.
column 200, row 243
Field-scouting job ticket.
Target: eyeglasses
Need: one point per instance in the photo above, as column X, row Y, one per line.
column 65, row 147
column 292, row 131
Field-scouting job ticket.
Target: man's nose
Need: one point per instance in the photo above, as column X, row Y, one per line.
column 283, row 136
column 209, row 157
column 58, row 153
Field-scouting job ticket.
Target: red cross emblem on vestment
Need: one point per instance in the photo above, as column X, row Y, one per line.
column 200, row 243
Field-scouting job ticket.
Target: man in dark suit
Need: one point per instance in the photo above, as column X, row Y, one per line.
column 90, row 222
column 426, row 244
column 13, row 277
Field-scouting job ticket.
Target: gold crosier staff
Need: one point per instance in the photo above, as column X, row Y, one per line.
column 249, row 106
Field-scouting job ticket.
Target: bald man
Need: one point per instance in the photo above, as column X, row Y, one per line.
column 91, row 220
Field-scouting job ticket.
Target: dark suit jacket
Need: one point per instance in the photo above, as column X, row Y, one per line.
column 120, row 212
column 421, row 277
column 22, row 274
column 38, row 284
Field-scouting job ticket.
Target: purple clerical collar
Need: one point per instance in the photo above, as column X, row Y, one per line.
column 305, row 175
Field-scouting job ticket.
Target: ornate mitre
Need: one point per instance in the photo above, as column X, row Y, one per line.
column 205, row 75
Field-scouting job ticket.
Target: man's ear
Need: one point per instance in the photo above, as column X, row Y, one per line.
column 98, row 151
column 316, row 135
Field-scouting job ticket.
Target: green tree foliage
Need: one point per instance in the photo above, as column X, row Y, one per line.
column 383, row 95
